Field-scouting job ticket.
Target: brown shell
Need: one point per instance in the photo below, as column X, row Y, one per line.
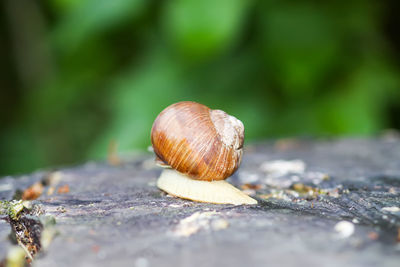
column 202, row 143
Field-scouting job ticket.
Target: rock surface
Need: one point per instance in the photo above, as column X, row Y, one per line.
column 4, row 239
column 329, row 203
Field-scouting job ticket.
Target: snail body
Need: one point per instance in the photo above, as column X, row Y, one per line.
column 203, row 147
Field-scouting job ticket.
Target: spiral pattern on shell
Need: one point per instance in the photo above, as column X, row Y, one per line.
column 202, row 143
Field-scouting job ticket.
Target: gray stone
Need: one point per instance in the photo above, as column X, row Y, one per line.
column 5, row 243
column 115, row 215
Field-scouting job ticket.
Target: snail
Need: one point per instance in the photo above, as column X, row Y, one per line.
column 200, row 148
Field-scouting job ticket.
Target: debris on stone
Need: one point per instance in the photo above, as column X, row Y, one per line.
column 344, row 229
column 373, row 235
column 391, row 209
column 282, row 173
column 251, row 186
column 286, row 144
column 199, row 221
column 219, row 224
column 51, row 190
column 175, row 205
column 112, row 156
column 304, row 189
column 33, row 192
column 298, row 192
column 277, row 168
column 277, row 194
column 308, row 191
column 95, row 248
column 251, row 189
column 398, row 235
column 63, row 189
column 61, row 209
column 333, row 192
column 392, row 190
column 53, row 178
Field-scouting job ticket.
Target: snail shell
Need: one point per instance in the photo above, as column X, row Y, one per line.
column 195, row 140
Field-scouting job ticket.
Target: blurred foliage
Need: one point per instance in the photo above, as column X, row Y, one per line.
column 78, row 74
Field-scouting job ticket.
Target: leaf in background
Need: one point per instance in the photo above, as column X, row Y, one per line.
column 137, row 96
column 359, row 105
column 203, row 29
column 20, row 152
column 92, row 17
column 65, row 112
column 300, row 45
column 62, row 6
column 285, row 68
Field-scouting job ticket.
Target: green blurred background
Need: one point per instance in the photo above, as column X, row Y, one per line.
column 77, row 74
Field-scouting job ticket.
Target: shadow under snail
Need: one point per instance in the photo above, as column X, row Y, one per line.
column 200, row 148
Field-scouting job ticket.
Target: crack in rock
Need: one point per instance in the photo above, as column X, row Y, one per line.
column 28, row 224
